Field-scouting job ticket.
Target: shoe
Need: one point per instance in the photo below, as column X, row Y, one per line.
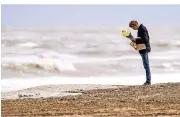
column 147, row 83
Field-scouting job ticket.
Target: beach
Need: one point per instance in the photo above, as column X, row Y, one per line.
column 154, row 100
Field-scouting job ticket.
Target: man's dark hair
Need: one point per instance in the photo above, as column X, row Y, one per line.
column 133, row 23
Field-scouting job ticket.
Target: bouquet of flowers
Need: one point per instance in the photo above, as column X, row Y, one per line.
column 128, row 35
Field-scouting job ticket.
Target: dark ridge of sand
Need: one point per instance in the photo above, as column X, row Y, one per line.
column 154, row 100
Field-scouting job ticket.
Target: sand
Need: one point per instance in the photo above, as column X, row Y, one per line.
column 154, row 100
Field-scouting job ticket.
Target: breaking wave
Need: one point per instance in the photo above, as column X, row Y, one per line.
column 46, row 63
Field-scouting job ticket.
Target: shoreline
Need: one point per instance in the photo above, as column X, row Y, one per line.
column 154, row 100
column 14, row 84
column 46, row 91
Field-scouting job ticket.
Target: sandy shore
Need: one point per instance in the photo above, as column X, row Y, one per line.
column 52, row 91
column 159, row 99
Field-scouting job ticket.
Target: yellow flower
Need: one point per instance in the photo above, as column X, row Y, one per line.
column 125, row 33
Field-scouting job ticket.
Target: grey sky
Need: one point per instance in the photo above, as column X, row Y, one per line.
column 88, row 15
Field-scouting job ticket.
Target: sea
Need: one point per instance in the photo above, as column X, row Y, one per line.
column 32, row 56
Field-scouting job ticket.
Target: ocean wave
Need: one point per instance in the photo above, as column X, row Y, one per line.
column 168, row 66
column 28, row 67
column 122, row 58
column 28, row 44
column 26, row 63
column 164, row 44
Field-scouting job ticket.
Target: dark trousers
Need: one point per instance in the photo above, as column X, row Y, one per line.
column 146, row 66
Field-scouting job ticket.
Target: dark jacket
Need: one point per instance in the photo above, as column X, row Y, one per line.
column 144, row 38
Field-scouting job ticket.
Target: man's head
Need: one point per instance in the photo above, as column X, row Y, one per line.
column 134, row 25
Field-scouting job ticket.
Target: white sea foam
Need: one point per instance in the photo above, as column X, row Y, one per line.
column 19, row 83
column 28, row 44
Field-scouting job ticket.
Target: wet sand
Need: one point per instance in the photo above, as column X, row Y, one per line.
column 154, row 100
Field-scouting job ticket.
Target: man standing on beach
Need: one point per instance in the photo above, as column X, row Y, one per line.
column 143, row 38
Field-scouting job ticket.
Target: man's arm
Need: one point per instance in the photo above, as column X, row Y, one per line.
column 143, row 39
column 134, row 39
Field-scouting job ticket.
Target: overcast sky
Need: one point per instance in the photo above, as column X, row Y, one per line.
column 88, row 15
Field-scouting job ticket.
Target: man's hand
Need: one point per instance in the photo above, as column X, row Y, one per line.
column 134, row 39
